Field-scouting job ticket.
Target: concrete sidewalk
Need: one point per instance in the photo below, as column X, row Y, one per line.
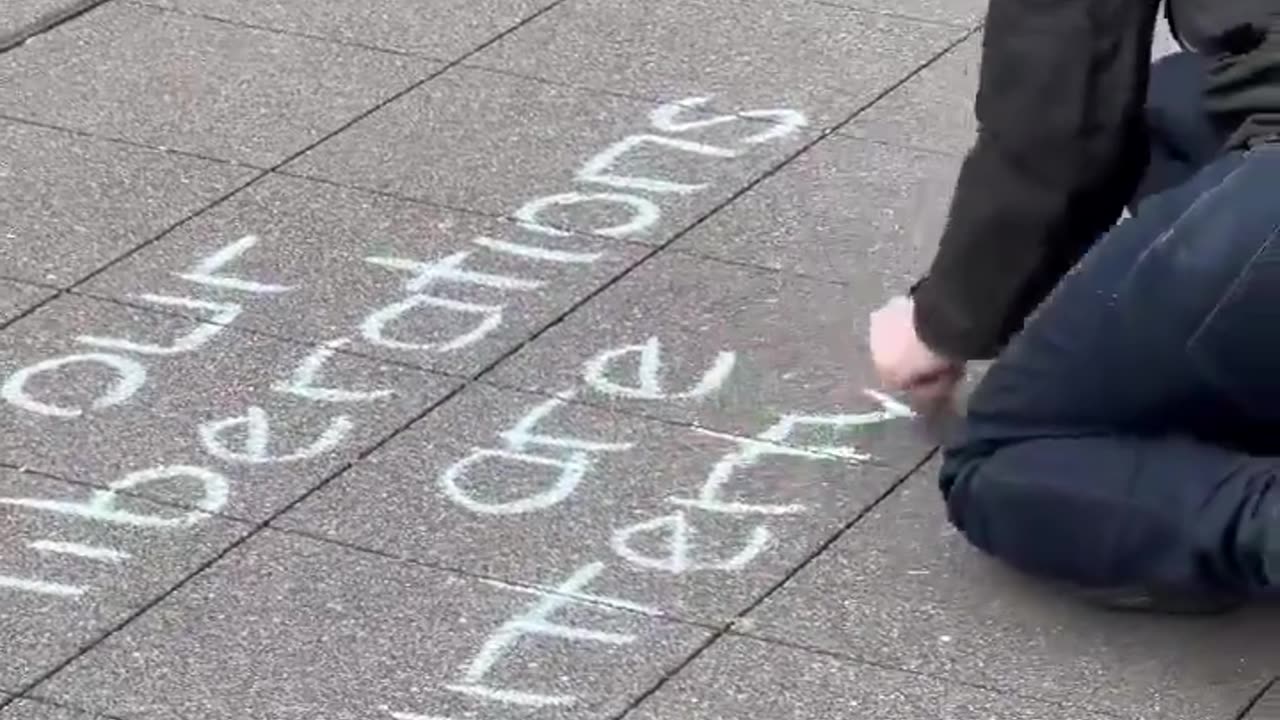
column 488, row 359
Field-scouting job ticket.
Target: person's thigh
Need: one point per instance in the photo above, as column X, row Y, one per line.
column 1099, row 447
column 1236, row 349
column 1163, row 327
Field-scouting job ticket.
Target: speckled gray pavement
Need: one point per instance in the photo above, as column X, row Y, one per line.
column 504, row 359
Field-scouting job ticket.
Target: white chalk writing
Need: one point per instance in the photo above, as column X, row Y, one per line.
column 784, row 121
column 570, row 467
column 679, row 536
column 612, row 602
column 220, row 316
column 649, row 371
column 130, row 377
column 644, row 213
column 240, row 439
column 304, row 381
column 770, row 443
column 668, row 543
column 534, row 252
column 87, row 552
column 449, row 269
column 102, row 505
column 257, row 439
column 206, row 270
column 532, row 466
column 374, row 328
column 537, row 620
column 40, row 587
column 598, row 169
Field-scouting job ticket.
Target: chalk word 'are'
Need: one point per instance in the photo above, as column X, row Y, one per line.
column 571, row 458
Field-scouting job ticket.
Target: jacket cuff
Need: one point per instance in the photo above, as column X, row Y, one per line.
column 942, row 326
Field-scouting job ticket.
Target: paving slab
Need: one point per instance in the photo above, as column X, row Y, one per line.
column 554, row 156
column 934, row 109
column 444, row 29
column 746, row 678
column 20, row 16
column 70, row 204
column 288, row 628
column 825, row 60
column 166, row 79
column 904, row 589
column 75, row 563
column 438, row 293
column 736, row 349
column 17, row 298
column 192, row 413
column 33, row 710
column 964, row 13
column 865, row 214
column 686, row 522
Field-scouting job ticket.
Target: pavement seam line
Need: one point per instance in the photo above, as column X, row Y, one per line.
column 840, row 533
column 31, row 310
column 708, row 109
column 1256, row 699
column 71, row 289
column 85, row 134
column 281, row 31
column 61, row 705
column 124, row 493
column 490, row 579
column 888, row 667
column 47, row 22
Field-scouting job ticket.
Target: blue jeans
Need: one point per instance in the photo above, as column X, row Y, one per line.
column 1130, row 434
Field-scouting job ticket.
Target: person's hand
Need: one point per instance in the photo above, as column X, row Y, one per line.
column 902, row 360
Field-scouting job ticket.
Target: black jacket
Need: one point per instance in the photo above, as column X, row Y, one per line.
column 1062, row 146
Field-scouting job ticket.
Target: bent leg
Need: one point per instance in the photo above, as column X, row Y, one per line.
column 1124, row 436
column 1169, row 515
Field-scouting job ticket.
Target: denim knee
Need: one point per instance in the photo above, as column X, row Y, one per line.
column 956, row 480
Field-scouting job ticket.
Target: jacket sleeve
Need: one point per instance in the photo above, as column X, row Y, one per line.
column 1061, row 148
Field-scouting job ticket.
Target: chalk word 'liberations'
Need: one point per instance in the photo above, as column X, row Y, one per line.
column 524, row 448
column 127, row 360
